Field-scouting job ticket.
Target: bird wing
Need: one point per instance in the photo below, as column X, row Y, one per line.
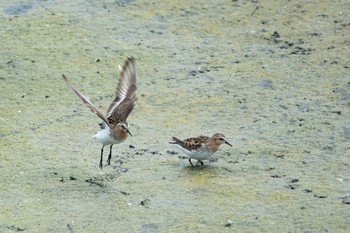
column 196, row 143
column 191, row 143
column 86, row 101
column 125, row 97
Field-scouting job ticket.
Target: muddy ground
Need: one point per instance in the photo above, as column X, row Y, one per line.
column 273, row 76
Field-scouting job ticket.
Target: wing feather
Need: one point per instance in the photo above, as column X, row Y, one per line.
column 191, row 143
column 86, row 101
column 125, row 97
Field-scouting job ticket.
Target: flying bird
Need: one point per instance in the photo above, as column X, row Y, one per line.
column 114, row 128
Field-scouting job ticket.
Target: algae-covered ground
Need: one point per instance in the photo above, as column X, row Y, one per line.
column 273, row 76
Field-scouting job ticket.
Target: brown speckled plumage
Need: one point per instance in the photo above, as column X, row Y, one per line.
column 201, row 147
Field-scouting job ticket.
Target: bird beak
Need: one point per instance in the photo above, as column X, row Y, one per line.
column 127, row 130
column 227, row 143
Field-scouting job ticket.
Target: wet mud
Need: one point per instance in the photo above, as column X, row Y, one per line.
column 272, row 76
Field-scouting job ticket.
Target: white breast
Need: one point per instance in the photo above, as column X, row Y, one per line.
column 104, row 137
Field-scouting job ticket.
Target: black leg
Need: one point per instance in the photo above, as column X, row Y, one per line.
column 201, row 162
column 110, row 155
column 190, row 162
column 101, row 157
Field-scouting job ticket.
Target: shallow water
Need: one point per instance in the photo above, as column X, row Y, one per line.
column 273, row 77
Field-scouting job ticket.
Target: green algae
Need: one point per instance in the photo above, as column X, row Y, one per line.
column 204, row 67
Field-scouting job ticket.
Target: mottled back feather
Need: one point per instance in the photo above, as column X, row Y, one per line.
column 191, row 143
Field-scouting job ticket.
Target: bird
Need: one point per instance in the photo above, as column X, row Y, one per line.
column 201, row 147
column 114, row 128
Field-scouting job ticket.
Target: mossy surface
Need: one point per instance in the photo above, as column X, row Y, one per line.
column 272, row 76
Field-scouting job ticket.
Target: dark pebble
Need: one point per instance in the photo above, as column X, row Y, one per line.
column 70, row 228
column 93, row 182
column 307, row 190
column 314, row 34
column 193, row 72
column 124, row 193
column 154, row 152
column 144, row 202
column 276, row 34
column 229, row 223
column 284, row 46
column 233, row 162
column 336, row 112
column 171, row 152
column 13, row 228
column 346, row 200
column 291, row 186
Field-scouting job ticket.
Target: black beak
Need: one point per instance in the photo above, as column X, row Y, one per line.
column 227, row 143
column 127, row 130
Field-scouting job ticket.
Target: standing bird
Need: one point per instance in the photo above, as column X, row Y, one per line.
column 200, row 148
column 115, row 129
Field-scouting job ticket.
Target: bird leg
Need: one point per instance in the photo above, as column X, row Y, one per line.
column 109, row 156
column 101, row 157
column 190, row 162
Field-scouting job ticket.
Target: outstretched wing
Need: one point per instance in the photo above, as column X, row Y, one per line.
column 125, row 97
column 85, row 100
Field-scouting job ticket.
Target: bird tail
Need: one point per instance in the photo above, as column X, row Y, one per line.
column 177, row 141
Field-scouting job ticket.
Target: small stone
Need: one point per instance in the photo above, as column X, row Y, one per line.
column 171, row 152
column 229, row 223
column 307, row 190
column 346, row 200
column 144, row 202
column 320, row 196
